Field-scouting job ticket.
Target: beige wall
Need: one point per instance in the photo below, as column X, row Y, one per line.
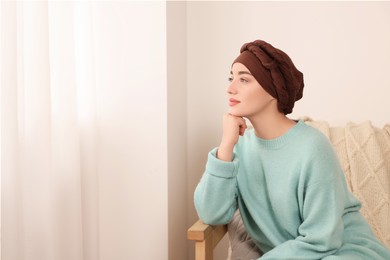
column 177, row 130
column 343, row 49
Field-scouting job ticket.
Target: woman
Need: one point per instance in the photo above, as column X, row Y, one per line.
column 282, row 174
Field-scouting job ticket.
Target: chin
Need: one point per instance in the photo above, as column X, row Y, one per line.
column 236, row 113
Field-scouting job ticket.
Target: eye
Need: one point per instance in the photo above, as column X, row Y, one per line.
column 230, row 79
column 244, row 80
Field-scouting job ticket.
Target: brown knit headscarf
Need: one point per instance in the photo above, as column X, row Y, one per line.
column 274, row 71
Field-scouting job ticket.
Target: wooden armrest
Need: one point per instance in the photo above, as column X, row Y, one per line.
column 206, row 238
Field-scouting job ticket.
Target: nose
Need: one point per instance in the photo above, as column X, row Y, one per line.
column 231, row 88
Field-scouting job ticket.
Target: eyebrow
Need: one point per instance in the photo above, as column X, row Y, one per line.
column 242, row 72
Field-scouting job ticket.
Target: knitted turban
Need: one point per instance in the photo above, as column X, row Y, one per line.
column 274, row 71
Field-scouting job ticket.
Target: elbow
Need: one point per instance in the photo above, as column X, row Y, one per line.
column 212, row 209
column 213, row 220
column 214, row 217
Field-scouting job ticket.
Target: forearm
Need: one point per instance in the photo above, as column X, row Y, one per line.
column 321, row 232
column 301, row 250
column 215, row 195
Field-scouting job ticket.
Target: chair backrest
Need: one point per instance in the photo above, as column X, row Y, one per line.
column 364, row 154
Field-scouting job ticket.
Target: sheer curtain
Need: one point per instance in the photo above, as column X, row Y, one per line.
column 48, row 132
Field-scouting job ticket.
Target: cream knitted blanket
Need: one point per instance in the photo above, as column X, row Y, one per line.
column 364, row 153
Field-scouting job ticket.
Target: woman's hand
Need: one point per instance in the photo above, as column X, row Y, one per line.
column 233, row 127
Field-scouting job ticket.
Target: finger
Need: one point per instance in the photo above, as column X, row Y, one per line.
column 242, row 131
column 243, row 127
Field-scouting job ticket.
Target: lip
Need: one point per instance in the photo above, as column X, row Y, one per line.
column 233, row 102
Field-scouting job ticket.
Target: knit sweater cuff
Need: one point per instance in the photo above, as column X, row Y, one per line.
column 219, row 168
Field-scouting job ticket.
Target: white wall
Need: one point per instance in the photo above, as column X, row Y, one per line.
column 343, row 49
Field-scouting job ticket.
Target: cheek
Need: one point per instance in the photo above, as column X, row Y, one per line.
column 256, row 96
column 253, row 100
column 262, row 95
column 258, row 99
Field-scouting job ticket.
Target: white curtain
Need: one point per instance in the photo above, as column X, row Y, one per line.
column 48, row 132
column 84, row 130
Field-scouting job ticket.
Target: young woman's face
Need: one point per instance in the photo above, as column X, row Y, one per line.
column 246, row 96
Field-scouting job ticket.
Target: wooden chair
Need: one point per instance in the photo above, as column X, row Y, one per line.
column 206, row 238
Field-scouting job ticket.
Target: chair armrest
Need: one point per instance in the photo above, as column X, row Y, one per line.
column 206, row 238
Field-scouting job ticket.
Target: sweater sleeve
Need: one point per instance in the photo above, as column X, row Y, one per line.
column 215, row 196
column 325, row 199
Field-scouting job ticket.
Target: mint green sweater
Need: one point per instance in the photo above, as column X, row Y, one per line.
column 292, row 196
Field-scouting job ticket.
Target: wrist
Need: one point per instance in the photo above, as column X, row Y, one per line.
column 225, row 152
column 226, row 146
